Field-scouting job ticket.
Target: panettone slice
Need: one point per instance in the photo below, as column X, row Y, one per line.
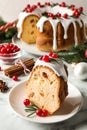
column 46, row 89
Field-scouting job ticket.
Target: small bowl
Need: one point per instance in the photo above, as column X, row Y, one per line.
column 10, row 58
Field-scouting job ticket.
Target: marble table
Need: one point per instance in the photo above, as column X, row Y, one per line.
column 11, row 121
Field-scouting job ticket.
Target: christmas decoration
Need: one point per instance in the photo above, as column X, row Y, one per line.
column 7, row 31
column 74, row 54
column 80, row 70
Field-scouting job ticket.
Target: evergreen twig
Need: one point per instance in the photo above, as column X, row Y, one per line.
column 74, row 54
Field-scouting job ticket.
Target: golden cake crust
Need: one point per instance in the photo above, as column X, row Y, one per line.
column 44, row 40
column 29, row 28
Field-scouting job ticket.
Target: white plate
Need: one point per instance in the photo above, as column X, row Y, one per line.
column 30, row 48
column 70, row 107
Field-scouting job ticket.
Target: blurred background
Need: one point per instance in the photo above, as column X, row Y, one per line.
column 9, row 9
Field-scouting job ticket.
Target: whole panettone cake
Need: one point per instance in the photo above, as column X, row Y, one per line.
column 52, row 26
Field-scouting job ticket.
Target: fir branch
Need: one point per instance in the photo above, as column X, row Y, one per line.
column 74, row 54
column 30, row 114
column 6, row 36
column 31, row 109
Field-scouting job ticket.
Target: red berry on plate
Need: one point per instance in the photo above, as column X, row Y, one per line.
column 39, row 112
column 15, row 78
column 45, row 113
column 26, row 102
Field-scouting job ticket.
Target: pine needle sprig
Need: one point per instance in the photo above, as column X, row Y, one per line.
column 31, row 109
column 74, row 54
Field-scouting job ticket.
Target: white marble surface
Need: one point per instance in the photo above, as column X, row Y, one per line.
column 11, row 121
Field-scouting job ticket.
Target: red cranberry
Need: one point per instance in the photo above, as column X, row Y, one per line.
column 50, row 54
column 40, row 58
column 29, row 10
column 39, row 4
column 59, row 15
column 46, row 58
column 47, row 3
column 8, row 48
column 3, row 50
column 51, row 15
column 72, row 7
column 65, row 16
column 25, row 9
column 26, row 102
column 39, row 112
column 63, row 4
column 15, row 78
column 34, row 7
column 81, row 9
column 42, row 113
column 45, row 113
column 28, row 6
column 76, row 13
column 54, row 55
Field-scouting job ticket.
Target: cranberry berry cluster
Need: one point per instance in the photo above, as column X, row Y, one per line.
column 46, row 58
column 76, row 11
column 8, row 48
column 32, row 109
column 30, row 8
